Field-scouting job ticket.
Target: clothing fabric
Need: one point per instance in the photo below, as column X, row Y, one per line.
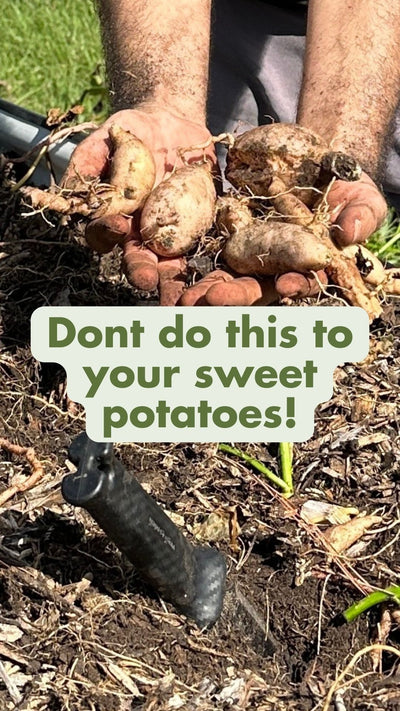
column 256, row 70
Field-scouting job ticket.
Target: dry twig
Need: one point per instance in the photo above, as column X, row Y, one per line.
column 361, row 652
column 37, row 470
column 9, row 684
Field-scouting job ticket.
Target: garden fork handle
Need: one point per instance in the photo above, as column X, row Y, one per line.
column 191, row 577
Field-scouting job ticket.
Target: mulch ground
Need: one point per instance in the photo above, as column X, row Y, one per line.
column 78, row 628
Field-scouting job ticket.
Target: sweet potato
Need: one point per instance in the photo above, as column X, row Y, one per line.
column 372, row 270
column 293, row 154
column 343, row 535
column 64, row 203
column 132, row 176
column 341, row 270
column 256, row 246
column 179, row 211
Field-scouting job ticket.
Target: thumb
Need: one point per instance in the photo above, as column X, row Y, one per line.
column 357, row 209
column 88, row 161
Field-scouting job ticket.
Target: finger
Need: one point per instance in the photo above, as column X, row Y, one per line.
column 195, row 295
column 356, row 223
column 357, row 209
column 104, row 233
column 172, row 275
column 244, row 291
column 88, row 161
column 140, row 265
column 295, row 286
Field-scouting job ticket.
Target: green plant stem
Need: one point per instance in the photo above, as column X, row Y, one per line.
column 257, row 465
column 389, row 243
column 30, row 170
column 286, row 455
column 375, row 598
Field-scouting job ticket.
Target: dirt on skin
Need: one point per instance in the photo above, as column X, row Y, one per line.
column 79, row 630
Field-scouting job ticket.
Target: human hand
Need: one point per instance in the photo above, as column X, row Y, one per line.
column 163, row 133
column 356, row 210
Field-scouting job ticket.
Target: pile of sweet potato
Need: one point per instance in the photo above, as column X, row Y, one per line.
column 274, row 222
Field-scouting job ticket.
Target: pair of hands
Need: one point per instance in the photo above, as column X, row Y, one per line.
column 356, row 209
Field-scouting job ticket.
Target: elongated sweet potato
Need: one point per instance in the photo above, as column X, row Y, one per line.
column 131, row 179
column 132, row 175
column 256, row 246
column 342, row 270
column 179, row 211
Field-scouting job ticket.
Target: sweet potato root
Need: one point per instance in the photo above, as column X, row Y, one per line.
column 132, row 176
column 341, row 270
column 372, row 270
column 288, row 167
column 282, row 170
column 293, row 154
column 64, row 203
column 179, row 211
column 267, row 247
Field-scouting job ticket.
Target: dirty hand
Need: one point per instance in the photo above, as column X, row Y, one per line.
column 357, row 209
column 164, row 133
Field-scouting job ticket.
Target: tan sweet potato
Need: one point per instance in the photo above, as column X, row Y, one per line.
column 342, row 270
column 372, row 270
column 256, row 246
column 342, row 536
column 179, row 211
column 293, row 154
column 132, row 176
column 64, row 203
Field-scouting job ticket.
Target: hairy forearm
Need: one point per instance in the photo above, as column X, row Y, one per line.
column 352, row 75
column 157, row 53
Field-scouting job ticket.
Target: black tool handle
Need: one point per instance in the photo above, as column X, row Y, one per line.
column 191, row 578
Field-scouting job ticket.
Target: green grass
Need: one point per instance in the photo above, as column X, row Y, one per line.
column 48, row 52
column 386, row 241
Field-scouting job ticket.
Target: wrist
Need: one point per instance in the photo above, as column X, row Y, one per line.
column 365, row 149
column 161, row 101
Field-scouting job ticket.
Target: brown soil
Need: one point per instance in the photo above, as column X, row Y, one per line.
column 79, row 630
